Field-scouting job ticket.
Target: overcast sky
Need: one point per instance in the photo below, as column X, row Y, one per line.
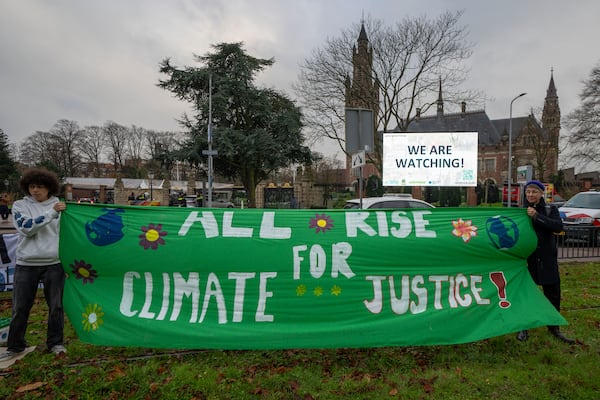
column 94, row 61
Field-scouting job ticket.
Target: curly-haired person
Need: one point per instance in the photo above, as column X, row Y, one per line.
column 36, row 219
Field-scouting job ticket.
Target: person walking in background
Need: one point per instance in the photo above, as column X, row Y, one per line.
column 36, row 219
column 4, row 210
column 543, row 262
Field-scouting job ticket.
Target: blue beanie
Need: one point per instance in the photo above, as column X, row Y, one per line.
column 539, row 185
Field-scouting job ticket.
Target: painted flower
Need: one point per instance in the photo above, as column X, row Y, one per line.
column 152, row 236
column 92, row 317
column 318, row 291
column 84, row 271
column 336, row 290
column 301, row 290
column 464, row 229
column 321, row 223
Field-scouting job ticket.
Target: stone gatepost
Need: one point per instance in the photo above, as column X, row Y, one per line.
column 102, row 195
column 165, row 193
column 191, row 183
column 120, row 193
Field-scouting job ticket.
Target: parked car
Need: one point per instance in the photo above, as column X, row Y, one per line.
column 86, row 200
column 581, row 217
column 557, row 200
column 396, row 201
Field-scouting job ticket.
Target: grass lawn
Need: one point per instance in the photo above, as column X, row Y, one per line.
column 497, row 368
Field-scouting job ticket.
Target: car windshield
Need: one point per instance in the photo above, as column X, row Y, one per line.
column 349, row 205
column 584, row 201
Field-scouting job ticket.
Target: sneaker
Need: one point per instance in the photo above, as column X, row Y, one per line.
column 522, row 336
column 7, row 355
column 58, row 349
column 555, row 331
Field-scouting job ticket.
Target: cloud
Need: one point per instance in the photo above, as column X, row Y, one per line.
column 93, row 61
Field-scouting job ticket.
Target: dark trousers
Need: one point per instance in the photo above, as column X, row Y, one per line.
column 4, row 211
column 552, row 293
column 25, row 286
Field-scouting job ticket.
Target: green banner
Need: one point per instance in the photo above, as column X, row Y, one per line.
column 269, row 279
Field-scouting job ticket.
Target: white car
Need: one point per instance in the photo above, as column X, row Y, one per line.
column 581, row 217
column 398, row 201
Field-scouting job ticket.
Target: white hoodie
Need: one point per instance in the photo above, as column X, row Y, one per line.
column 38, row 226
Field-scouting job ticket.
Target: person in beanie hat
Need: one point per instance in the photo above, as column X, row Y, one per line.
column 543, row 262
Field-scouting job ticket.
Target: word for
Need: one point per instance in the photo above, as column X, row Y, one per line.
column 318, row 260
column 459, row 291
column 175, row 287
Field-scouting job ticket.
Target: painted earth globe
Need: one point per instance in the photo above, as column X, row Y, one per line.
column 502, row 231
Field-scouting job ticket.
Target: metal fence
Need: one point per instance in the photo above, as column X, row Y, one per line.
column 579, row 242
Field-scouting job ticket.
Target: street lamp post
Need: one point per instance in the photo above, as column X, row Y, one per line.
column 151, row 176
column 510, row 148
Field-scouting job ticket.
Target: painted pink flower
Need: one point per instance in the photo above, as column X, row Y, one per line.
column 464, row 229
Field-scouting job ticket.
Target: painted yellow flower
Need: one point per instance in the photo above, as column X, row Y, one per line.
column 336, row 290
column 301, row 290
column 318, row 291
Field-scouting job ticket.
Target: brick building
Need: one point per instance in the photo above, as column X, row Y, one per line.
column 534, row 142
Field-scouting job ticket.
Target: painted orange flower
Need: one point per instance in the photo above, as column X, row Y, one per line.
column 84, row 271
column 321, row 223
column 464, row 229
column 152, row 236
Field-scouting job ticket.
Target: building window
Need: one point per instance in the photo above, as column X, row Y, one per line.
column 490, row 164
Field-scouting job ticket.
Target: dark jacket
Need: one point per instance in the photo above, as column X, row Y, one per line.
column 543, row 262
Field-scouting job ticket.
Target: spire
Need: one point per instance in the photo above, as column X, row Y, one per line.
column 363, row 34
column 440, row 101
column 551, row 92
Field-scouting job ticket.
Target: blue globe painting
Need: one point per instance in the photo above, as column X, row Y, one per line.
column 503, row 232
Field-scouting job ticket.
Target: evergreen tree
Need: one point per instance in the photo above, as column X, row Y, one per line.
column 8, row 170
column 255, row 131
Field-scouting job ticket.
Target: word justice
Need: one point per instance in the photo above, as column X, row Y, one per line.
column 459, row 291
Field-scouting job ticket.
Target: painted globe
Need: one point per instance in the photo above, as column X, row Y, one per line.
column 502, row 231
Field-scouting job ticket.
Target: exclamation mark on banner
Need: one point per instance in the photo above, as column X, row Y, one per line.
column 500, row 282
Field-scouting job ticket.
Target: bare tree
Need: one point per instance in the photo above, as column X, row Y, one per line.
column 34, row 149
column 163, row 147
column 92, row 144
column 584, row 124
column 136, row 146
column 116, row 136
column 57, row 149
column 65, row 138
column 409, row 61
